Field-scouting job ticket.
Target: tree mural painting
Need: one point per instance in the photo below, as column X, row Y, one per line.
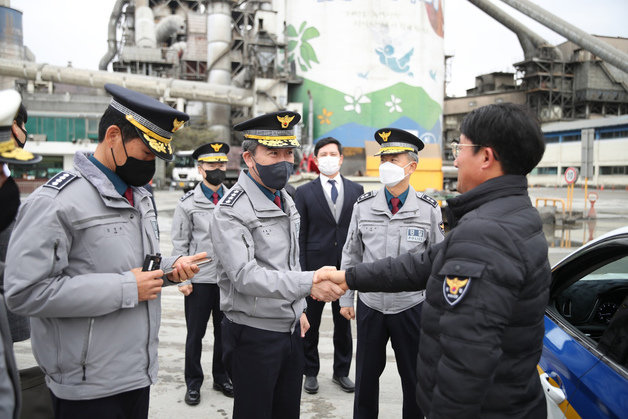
column 299, row 47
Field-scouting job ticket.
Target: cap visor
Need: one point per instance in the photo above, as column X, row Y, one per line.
column 162, row 150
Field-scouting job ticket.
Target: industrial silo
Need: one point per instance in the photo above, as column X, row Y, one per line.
column 368, row 65
column 11, row 39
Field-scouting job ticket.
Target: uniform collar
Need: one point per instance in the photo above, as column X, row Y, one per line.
column 208, row 192
column 264, row 189
column 402, row 197
column 262, row 201
column 117, row 182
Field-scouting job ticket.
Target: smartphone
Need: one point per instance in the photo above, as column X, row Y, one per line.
column 199, row 263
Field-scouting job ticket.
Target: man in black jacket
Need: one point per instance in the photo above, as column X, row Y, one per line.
column 486, row 285
column 325, row 205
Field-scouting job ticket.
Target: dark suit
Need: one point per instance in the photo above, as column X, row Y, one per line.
column 321, row 240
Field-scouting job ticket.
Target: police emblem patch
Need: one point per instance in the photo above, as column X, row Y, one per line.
column 454, row 288
column 415, row 235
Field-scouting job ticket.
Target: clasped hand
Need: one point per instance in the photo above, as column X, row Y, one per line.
column 328, row 284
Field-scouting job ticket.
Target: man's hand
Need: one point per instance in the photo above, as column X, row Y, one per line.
column 148, row 283
column 185, row 268
column 322, row 272
column 305, row 324
column 186, row 289
column 337, row 277
column 347, row 312
column 326, row 291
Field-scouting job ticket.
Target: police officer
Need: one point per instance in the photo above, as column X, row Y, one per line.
column 190, row 234
column 392, row 220
column 76, row 258
column 12, row 141
column 255, row 231
column 12, row 328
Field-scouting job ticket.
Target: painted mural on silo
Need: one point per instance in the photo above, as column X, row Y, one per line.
column 369, row 64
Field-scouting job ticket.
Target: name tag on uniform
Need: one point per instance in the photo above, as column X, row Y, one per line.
column 415, row 235
column 155, row 228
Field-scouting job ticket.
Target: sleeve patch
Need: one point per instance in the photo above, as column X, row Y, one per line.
column 230, row 199
column 366, row 196
column 60, row 180
column 187, row 195
column 428, row 199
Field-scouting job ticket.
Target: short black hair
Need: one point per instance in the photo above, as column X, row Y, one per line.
column 512, row 131
column 324, row 141
column 21, row 117
column 113, row 117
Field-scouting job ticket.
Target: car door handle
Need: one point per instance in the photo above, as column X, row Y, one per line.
column 555, row 394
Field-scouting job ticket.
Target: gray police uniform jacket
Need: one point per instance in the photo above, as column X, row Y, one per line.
column 375, row 233
column 74, row 244
column 10, row 395
column 190, row 231
column 257, row 247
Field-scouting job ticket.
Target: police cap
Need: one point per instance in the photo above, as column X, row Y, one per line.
column 395, row 141
column 10, row 101
column 273, row 130
column 211, row 153
column 154, row 121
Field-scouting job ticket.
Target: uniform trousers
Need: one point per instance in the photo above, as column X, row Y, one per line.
column 266, row 369
column 128, row 405
column 203, row 301
column 374, row 330
column 343, row 344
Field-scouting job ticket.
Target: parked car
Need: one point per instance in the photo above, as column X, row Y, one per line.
column 584, row 365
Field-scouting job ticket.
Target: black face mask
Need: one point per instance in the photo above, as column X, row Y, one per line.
column 21, row 145
column 216, row 176
column 134, row 172
column 10, row 198
column 276, row 175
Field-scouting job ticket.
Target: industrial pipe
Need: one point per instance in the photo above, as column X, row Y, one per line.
column 152, row 86
column 576, row 35
column 530, row 41
column 111, row 38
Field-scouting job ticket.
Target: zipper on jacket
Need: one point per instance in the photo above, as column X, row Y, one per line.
column 248, row 254
column 55, row 256
column 88, row 340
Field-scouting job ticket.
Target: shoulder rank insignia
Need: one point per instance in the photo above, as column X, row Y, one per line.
column 187, row 195
column 60, row 180
column 454, row 288
column 428, row 199
column 231, row 198
column 366, row 196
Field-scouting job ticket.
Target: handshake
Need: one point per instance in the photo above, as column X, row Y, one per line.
column 328, row 284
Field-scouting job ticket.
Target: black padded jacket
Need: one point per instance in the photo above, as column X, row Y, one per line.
column 487, row 285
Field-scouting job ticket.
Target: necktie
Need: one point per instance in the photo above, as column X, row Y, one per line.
column 334, row 190
column 215, row 198
column 128, row 194
column 277, row 201
column 395, row 205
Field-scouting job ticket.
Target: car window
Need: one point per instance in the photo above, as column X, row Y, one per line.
column 596, row 305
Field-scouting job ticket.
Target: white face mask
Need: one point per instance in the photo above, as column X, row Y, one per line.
column 329, row 165
column 390, row 174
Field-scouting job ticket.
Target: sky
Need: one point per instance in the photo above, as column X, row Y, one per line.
column 62, row 31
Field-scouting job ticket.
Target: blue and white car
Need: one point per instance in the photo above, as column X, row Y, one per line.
column 584, row 366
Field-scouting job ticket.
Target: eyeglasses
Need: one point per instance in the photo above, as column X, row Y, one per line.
column 455, row 148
